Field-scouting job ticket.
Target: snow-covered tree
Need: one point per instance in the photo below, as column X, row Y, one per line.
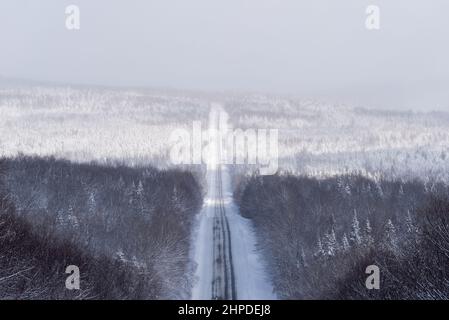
column 60, row 217
column 409, row 224
column 120, row 255
column 368, row 237
column 92, row 203
column 73, row 221
column 331, row 244
column 140, row 190
column 343, row 186
column 320, row 250
column 390, row 241
column 355, row 235
column 345, row 243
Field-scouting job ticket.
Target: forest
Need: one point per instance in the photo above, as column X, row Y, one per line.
column 127, row 229
column 86, row 180
column 319, row 235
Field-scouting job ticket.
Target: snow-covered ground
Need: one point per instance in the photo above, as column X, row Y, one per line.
column 252, row 281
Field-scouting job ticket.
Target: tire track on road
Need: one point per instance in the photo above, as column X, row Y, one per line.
column 223, row 282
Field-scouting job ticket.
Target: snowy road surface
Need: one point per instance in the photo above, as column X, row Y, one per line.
column 228, row 265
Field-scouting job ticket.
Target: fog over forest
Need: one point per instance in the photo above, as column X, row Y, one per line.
column 303, row 48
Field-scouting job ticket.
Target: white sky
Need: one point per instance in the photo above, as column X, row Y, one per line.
column 306, row 48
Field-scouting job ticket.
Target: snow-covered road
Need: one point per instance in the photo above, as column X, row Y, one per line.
column 228, row 265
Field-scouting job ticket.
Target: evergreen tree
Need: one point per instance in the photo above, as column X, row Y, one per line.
column 139, row 190
column 60, row 218
column 320, row 251
column 71, row 220
column 343, row 186
column 410, row 227
column 331, row 243
column 411, row 235
column 92, row 204
column 70, row 211
column 355, row 235
column 368, row 239
column 138, row 199
column 390, row 241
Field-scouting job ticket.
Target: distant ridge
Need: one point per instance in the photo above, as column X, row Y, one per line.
column 7, row 82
